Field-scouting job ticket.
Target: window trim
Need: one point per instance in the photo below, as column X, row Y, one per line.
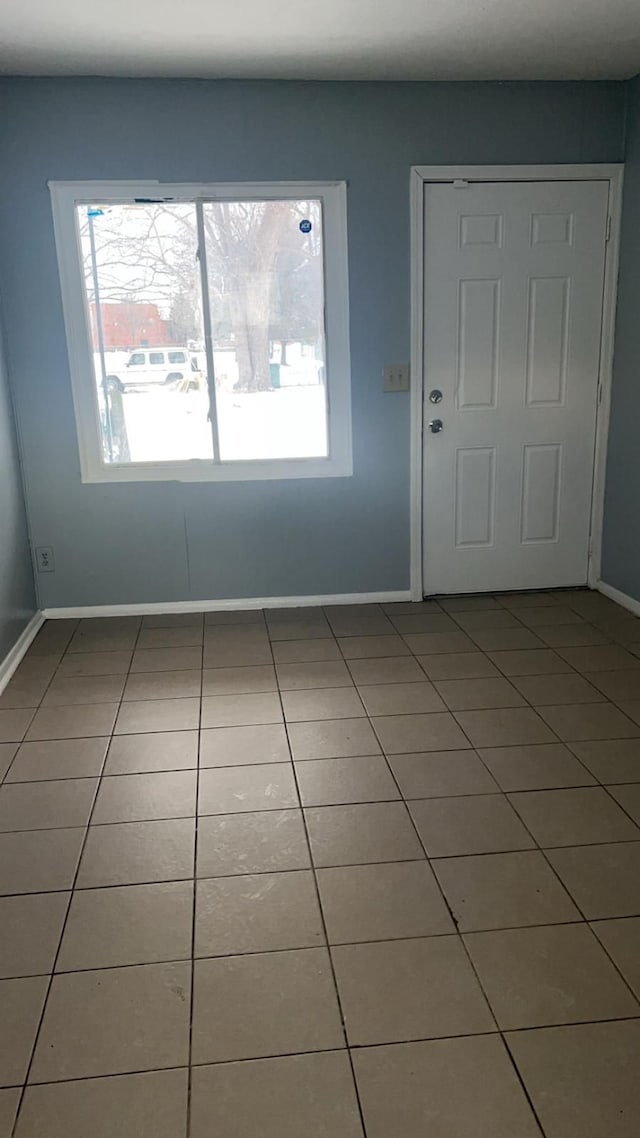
column 65, row 196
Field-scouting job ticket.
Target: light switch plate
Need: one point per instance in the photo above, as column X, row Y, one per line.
column 396, row 377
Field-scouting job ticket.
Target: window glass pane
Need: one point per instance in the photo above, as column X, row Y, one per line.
column 266, row 294
column 176, row 357
column 142, row 284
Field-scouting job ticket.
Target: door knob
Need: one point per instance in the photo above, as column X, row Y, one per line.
column 435, row 426
column 435, row 396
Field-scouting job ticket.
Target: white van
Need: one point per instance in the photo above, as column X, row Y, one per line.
column 168, row 366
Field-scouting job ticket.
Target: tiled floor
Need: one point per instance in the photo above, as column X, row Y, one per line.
column 361, row 870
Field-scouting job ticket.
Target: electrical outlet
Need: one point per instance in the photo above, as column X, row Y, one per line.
column 396, row 377
column 44, row 559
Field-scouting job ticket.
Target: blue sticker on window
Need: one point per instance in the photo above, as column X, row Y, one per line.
column 305, row 226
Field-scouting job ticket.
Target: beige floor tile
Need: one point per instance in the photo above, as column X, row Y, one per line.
column 70, row 690
column 221, row 655
column 554, row 974
column 241, row 710
column 530, row 662
column 58, row 759
column 435, row 643
column 503, row 890
column 599, row 658
column 365, row 647
column 231, row 790
column 323, row 674
column 410, row 1086
column 265, row 842
column 386, row 670
column 410, row 624
column 306, row 651
column 458, row 666
column 506, row 639
column 589, row 721
column 488, row 618
column 621, row 938
column 574, row 816
column 265, row 912
column 46, row 805
column 31, row 927
column 629, row 798
column 72, row 722
column 163, row 685
column 356, row 834
column 476, row 602
column 537, row 767
column 475, row 824
column 568, row 688
column 548, row 616
column 572, row 636
column 617, row 686
column 316, row 629
column 14, row 724
column 114, row 1020
column 9, row 1099
column 332, row 739
column 158, row 715
column 631, row 708
column 382, row 902
column 239, row 616
column 327, row 703
column 38, row 861
column 237, row 746
column 604, row 880
column 239, row 681
column 276, row 1098
column 582, row 1080
column 166, row 659
column 155, row 751
column 610, row 760
column 330, row 782
column 462, row 695
column 173, row 620
column 436, row 774
column 133, row 853
column 170, row 637
column 400, row 699
column 406, row 734
column 22, row 693
column 145, row 797
column 512, row 726
column 369, row 624
column 21, row 1002
column 398, row 990
column 108, row 641
column 273, row 1003
column 132, row 924
column 7, row 754
column 149, row 1105
column 247, row 636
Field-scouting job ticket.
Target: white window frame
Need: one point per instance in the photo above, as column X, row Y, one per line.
column 65, row 196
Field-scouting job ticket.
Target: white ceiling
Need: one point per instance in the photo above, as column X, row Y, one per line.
column 323, row 39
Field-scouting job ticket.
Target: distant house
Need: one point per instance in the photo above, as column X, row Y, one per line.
column 128, row 325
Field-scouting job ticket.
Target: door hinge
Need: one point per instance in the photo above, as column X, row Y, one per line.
column 607, row 235
column 599, row 392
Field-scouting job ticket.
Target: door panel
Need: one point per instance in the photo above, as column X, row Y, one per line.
column 513, row 305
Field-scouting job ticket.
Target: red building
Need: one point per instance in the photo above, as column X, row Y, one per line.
column 129, row 325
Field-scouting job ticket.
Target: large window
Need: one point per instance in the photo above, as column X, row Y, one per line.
column 207, row 329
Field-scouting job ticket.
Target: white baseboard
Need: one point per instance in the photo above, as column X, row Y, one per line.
column 228, row 605
column 620, row 598
column 15, row 654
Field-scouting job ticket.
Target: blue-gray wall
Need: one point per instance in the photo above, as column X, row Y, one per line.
column 621, row 546
column 17, row 594
column 166, row 542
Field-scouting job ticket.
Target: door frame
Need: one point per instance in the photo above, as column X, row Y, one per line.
column 421, row 177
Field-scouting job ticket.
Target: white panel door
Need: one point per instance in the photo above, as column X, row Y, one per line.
column 513, row 309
